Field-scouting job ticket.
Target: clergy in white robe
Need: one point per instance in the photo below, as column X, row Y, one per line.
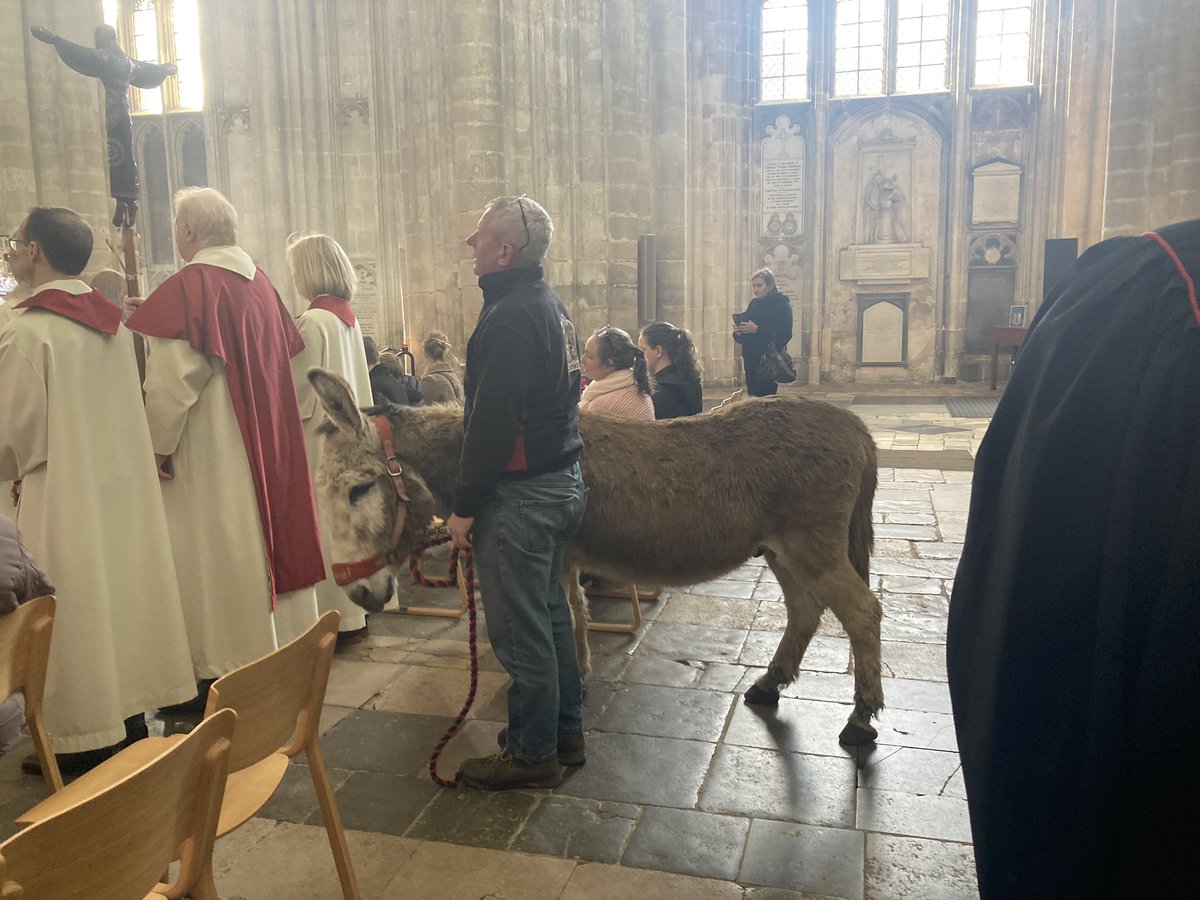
column 226, row 427
column 324, row 277
column 72, row 430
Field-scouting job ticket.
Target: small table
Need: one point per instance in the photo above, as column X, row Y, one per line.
column 1005, row 336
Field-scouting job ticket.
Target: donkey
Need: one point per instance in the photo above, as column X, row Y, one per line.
column 674, row 503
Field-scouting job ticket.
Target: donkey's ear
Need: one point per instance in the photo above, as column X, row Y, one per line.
column 338, row 400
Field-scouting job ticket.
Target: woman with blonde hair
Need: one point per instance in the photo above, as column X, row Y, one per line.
column 440, row 382
column 324, row 277
column 620, row 384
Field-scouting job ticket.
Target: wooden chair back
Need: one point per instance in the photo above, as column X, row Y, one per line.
column 116, row 844
column 24, row 658
column 278, row 698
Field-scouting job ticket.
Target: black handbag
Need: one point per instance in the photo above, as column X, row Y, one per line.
column 777, row 365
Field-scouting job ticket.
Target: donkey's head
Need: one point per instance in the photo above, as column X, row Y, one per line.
column 372, row 503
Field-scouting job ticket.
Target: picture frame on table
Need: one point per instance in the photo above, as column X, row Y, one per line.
column 1016, row 316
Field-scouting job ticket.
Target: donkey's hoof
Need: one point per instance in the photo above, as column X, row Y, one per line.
column 756, row 696
column 855, row 735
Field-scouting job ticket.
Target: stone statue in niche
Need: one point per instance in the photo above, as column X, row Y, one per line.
column 116, row 71
column 886, row 218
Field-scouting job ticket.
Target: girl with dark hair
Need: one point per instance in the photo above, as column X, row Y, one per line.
column 620, row 382
column 671, row 360
column 767, row 320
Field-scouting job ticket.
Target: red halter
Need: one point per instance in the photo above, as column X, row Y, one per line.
column 346, row 573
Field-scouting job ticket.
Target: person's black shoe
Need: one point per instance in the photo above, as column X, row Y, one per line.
column 136, row 729
column 349, row 638
column 72, row 764
column 193, row 707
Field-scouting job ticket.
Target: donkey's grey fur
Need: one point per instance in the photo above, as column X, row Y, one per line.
column 673, row 503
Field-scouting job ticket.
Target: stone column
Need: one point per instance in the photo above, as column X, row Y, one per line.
column 720, row 243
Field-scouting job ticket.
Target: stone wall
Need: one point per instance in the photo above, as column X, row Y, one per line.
column 389, row 123
column 52, row 145
column 1153, row 173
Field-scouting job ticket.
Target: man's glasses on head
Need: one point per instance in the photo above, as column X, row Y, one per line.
column 11, row 244
column 525, row 222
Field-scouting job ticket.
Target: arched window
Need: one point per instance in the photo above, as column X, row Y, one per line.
column 162, row 31
column 1003, row 29
column 783, row 65
column 156, row 223
column 168, row 123
column 193, row 157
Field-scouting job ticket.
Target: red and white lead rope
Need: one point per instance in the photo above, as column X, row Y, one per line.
column 414, row 567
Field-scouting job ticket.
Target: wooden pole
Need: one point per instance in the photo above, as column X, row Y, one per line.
column 129, row 246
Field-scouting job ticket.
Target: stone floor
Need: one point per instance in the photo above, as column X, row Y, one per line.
column 687, row 792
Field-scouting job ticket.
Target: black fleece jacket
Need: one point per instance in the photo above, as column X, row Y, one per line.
column 674, row 396
column 521, row 415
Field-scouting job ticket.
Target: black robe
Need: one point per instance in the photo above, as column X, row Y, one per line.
column 1074, row 625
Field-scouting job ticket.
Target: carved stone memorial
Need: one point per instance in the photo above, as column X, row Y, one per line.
column 996, row 193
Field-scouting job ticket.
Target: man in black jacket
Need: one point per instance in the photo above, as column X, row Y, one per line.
column 520, row 496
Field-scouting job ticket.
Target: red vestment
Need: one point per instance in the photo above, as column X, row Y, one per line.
column 339, row 306
column 93, row 309
column 245, row 325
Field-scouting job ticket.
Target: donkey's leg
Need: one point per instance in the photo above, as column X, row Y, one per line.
column 577, row 600
column 859, row 611
column 803, row 617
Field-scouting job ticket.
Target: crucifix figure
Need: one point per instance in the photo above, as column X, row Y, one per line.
column 116, row 71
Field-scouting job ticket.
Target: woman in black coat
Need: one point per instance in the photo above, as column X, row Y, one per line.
column 767, row 320
column 671, row 361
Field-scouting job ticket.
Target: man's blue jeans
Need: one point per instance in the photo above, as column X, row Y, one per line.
column 520, row 536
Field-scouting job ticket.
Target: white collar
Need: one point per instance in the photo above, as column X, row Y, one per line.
column 72, row 286
column 235, row 259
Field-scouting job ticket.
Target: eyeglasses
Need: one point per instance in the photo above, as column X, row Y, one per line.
column 525, row 222
column 13, row 243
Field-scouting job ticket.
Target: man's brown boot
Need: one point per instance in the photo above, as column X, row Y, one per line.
column 570, row 746
column 500, row 772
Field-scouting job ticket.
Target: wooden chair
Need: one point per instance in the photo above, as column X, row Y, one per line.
column 635, row 598
column 278, row 700
column 116, row 844
column 24, row 656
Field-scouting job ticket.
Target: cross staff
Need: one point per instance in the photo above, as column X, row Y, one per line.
column 117, row 72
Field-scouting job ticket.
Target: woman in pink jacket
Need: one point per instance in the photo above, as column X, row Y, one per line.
column 620, row 383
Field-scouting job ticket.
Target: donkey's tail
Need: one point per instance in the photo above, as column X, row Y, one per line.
column 862, row 529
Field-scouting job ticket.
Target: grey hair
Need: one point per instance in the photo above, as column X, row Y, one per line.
column 511, row 228
column 209, row 214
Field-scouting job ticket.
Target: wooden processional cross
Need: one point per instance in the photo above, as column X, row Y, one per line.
column 117, row 72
